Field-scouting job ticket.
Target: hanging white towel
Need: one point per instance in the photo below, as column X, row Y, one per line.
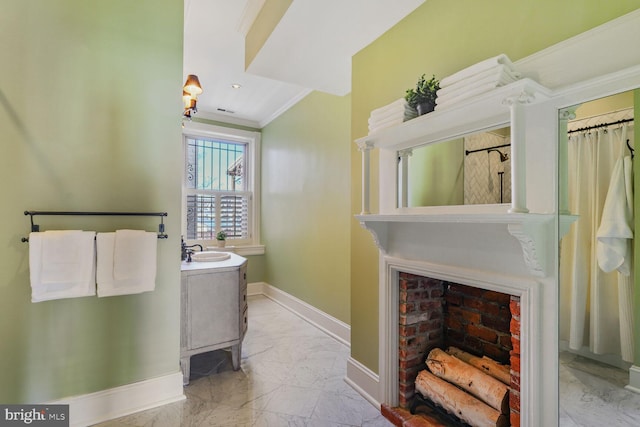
column 126, row 262
column 616, row 231
column 62, row 264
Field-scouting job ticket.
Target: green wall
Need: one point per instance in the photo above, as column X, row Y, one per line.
column 441, row 37
column 436, row 174
column 90, row 108
column 305, row 202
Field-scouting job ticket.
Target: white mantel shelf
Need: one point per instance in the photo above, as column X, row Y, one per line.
column 474, row 114
column 468, row 226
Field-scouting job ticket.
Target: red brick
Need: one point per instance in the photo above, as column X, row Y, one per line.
column 500, row 324
column 407, row 331
column 514, row 401
column 482, row 333
column 407, row 364
column 453, row 299
column 436, row 293
column 430, row 283
column 407, row 308
column 496, row 353
column 515, row 345
column 396, row 415
column 423, row 420
column 402, row 295
column 436, row 336
column 435, row 314
column 467, row 290
column 473, row 343
column 505, row 341
column 515, row 380
column 514, row 306
column 430, row 305
column 515, row 363
column 453, row 323
column 515, row 327
column 499, row 297
column 514, row 417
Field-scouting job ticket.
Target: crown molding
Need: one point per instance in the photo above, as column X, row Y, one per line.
column 249, row 15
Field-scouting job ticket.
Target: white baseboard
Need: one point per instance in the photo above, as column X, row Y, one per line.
column 93, row 408
column 321, row 320
column 634, row 379
column 608, row 359
column 359, row 377
column 364, row 381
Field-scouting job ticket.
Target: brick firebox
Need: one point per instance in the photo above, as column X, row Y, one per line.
column 437, row 313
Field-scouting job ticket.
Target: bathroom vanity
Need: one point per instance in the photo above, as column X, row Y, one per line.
column 213, row 309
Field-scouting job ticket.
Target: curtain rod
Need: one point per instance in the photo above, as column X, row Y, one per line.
column 584, row 129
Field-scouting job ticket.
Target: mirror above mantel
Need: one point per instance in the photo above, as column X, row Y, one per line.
column 488, row 112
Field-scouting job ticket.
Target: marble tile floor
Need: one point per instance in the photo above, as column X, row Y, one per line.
column 292, row 374
column 593, row 394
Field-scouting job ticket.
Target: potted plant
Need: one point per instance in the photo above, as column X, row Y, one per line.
column 221, row 237
column 423, row 97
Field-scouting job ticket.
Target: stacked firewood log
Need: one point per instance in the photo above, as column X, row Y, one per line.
column 474, row 389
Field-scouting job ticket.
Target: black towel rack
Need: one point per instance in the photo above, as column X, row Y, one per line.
column 36, row 227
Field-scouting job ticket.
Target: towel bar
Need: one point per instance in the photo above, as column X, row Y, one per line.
column 36, row 227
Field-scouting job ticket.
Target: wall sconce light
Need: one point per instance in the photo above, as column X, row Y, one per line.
column 190, row 92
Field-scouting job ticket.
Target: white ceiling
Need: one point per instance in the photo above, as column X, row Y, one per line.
column 310, row 49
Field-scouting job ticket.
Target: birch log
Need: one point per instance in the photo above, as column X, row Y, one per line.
column 466, row 407
column 485, row 364
column 469, row 378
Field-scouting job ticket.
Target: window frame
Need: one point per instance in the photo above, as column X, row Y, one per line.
column 252, row 245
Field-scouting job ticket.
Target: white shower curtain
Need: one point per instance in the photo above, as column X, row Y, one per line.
column 595, row 307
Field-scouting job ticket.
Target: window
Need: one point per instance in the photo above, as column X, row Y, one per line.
column 219, row 185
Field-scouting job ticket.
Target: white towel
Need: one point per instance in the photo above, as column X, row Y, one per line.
column 393, row 106
column 476, row 69
column 62, row 264
column 498, row 74
column 405, row 114
column 471, row 93
column 126, row 262
column 616, row 231
column 387, row 124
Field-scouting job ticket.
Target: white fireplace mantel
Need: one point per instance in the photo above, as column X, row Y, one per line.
column 408, row 234
column 499, row 247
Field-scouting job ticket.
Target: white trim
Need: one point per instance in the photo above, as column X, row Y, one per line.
column 321, row 320
column 607, row 359
column 252, row 174
column 104, row 405
column 359, row 377
column 225, row 118
column 249, row 15
column 256, row 288
column 293, row 101
column 364, row 381
column 634, row 379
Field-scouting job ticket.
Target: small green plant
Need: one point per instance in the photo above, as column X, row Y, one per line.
column 222, row 235
column 424, row 93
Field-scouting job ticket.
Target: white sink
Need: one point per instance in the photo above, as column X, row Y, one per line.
column 210, row 256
